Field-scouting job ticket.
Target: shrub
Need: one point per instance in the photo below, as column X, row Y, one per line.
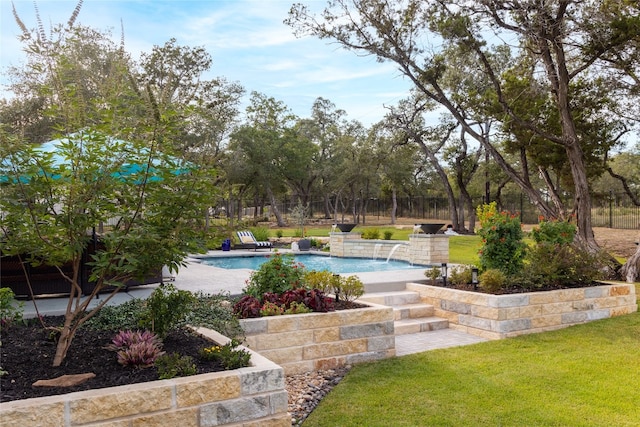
column 127, row 315
column 324, row 280
column 11, row 311
column 247, row 307
column 553, row 265
column 277, row 275
column 260, row 233
column 433, row 274
column 165, row 308
column 492, row 280
column 228, row 355
column 371, row 233
column 502, row 245
column 388, row 234
column 460, row 275
column 555, row 232
column 271, row 309
column 349, row 288
column 279, row 234
column 135, row 348
column 314, row 243
column 214, row 312
column 317, row 301
column 297, row 308
column 174, row 365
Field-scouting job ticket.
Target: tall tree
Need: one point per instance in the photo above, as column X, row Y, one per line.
column 565, row 40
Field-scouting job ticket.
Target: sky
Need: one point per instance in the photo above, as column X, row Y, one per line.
column 247, row 39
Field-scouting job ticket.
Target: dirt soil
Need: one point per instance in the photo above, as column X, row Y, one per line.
column 27, row 353
column 622, row 243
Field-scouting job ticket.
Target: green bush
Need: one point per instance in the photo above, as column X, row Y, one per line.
column 174, row 365
column 388, row 234
column 214, row 312
column 279, row 234
column 280, row 273
column 460, row 275
column 228, row 355
column 260, row 233
column 297, row 308
column 324, row 280
column 492, row 280
column 11, row 311
column 127, row 315
column 433, row 274
column 555, row 232
column 502, row 244
column 165, row 308
column 371, row 234
column 551, row 265
column 350, row 288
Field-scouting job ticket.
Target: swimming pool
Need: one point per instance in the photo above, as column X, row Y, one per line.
column 314, row 262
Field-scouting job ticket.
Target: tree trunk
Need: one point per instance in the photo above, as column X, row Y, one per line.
column 394, row 205
column 274, row 207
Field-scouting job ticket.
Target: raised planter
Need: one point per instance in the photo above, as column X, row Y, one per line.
column 315, row 341
column 255, row 395
column 503, row 316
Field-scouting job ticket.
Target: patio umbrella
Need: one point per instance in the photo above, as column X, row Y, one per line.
column 121, row 159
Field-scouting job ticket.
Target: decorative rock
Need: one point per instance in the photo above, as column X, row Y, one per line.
column 308, row 389
column 65, row 380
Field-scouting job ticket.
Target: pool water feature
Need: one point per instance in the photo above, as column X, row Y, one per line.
column 313, row 262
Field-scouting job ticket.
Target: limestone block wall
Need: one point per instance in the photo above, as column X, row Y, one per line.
column 254, row 395
column 502, row 316
column 312, row 341
column 422, row 249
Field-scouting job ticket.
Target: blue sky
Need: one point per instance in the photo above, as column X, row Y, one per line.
column 246, row 38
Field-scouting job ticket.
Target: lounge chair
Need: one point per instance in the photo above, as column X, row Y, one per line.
column 248, row 241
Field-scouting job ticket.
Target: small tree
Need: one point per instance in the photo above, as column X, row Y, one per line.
column 51, row 210
column 117, row 177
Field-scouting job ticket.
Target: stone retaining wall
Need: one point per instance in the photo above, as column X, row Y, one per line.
column 422, row 249
column 317, row 341
column 503, row 316
column 249, row 396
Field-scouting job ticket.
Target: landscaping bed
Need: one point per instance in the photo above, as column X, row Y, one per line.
column 27, row 353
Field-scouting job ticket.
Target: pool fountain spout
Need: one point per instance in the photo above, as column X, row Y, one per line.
column 376, row 250
column 395, row 247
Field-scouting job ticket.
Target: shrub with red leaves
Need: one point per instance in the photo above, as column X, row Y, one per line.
column 247, row 307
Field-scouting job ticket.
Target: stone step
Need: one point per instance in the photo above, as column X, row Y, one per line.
column 412, row 311
column 425, row 324
column 394, row 298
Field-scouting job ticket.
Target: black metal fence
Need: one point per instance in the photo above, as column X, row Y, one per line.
column 613, row 210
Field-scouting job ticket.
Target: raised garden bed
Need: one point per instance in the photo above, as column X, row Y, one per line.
column 255, row 394
column 503, row 316
column 318, row 341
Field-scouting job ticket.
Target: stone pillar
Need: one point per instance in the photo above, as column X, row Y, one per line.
column 336, row 242
column 428, row 249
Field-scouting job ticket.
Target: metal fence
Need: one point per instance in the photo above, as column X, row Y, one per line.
column 613, row 210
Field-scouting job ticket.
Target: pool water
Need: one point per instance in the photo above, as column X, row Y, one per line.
column 314, row 262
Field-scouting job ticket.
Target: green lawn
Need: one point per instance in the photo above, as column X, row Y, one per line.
column 586, row 375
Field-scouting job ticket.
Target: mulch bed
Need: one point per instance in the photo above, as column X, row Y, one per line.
column 27, row 353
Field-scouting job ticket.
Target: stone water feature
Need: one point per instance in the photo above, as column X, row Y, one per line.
column 421, row 249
